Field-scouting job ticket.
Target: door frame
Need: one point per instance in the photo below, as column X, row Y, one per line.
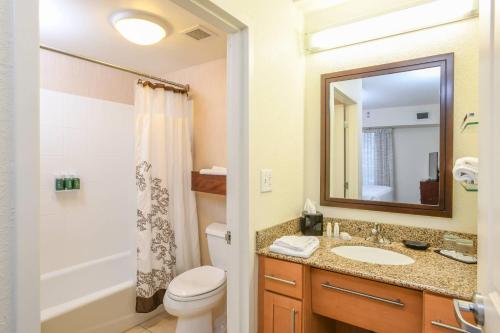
column 489, row 155
column 240, row 303
column 26, row 178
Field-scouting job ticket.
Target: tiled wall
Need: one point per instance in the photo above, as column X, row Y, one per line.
column 94, row 138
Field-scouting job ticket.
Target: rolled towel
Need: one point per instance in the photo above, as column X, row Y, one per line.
column 464, row 174
column 300, row 254
column 296, row 243
column 466, row 169
column 471, row 163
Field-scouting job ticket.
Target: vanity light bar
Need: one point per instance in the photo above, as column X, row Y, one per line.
column 428, row 15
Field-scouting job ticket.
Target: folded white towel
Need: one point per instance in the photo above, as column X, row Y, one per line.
column 296, row 243
column 215, row 170
column 300, row 254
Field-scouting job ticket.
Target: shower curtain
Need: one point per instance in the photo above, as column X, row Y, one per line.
column 167, row 222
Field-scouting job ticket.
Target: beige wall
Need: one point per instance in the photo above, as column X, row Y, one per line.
column 208, row 88
column 276, row 119
column 460, row 38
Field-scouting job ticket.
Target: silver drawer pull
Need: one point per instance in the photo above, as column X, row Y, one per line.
column 270, row 277
column 438, row 323
column 357, row 293
column 293, row 320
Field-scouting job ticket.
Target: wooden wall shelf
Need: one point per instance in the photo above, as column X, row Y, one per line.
column 208, row 183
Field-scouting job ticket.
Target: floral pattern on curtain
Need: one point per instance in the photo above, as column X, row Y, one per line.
column 378, row 156
column 153, row 222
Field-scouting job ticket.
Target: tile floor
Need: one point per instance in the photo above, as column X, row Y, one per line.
column 162, row 323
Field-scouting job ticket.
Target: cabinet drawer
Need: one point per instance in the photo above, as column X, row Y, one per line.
column 439, row 315
column 282, row 277
column 366, row 304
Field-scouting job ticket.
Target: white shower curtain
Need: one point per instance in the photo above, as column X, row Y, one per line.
column 167, row 222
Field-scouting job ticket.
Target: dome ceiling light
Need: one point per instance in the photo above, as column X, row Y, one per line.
column 139, row 27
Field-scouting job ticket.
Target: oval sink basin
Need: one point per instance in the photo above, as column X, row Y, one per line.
column 372, row 255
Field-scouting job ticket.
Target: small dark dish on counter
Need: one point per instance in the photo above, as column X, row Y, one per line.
column 416, row 245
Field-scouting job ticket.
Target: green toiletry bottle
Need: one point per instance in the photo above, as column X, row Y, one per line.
column 76, row 182
column 59, row 183
column 68, row 182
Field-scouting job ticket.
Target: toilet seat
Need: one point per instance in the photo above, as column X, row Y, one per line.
column 198, row 283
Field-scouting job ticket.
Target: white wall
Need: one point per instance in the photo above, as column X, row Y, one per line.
column 95, row 138
column 412, row 146
column 401, row 116
column 460, row 38
column 6, row 199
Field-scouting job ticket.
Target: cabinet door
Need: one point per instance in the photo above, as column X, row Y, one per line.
column 281, row 314
column 439, row 315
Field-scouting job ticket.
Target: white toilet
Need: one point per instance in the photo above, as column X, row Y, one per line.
column 192, row 295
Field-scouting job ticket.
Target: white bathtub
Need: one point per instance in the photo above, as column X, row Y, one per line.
column 93, row 297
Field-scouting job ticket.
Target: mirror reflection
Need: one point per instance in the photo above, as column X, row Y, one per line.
column 385, row 137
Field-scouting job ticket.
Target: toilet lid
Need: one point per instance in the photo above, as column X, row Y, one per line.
column 197, row 281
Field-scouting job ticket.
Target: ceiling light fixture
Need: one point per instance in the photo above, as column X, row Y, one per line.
column 412, row 19
column 139, row 27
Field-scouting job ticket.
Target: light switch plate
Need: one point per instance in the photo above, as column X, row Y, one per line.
column 266, row 180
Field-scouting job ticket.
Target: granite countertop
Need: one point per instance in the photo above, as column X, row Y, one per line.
column 430, row 272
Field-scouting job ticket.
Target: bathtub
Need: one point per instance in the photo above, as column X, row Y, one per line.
column 97, row 296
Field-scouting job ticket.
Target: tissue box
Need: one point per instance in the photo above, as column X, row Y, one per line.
column 311, row 224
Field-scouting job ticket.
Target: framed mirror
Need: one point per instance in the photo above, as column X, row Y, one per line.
column 387, row 137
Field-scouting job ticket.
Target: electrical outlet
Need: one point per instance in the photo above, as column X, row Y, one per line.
column 266, row 180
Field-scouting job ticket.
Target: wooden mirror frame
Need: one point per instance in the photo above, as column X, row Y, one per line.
column 444, row 206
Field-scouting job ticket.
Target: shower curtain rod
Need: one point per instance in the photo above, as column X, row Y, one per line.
column 128, row 70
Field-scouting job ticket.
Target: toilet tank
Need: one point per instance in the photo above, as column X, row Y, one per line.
column 217, row 246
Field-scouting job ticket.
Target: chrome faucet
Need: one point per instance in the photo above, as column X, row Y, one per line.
column 377, row 235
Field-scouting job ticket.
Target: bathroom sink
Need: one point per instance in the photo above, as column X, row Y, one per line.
column 372, row 255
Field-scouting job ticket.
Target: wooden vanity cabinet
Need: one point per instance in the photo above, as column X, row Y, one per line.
column 280, row 296
column 439, row 315
column 300, row 299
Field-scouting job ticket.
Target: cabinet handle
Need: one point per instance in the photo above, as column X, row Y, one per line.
column 396, row 302
column 293, row 320
column 270, row 277
column 438, row 323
